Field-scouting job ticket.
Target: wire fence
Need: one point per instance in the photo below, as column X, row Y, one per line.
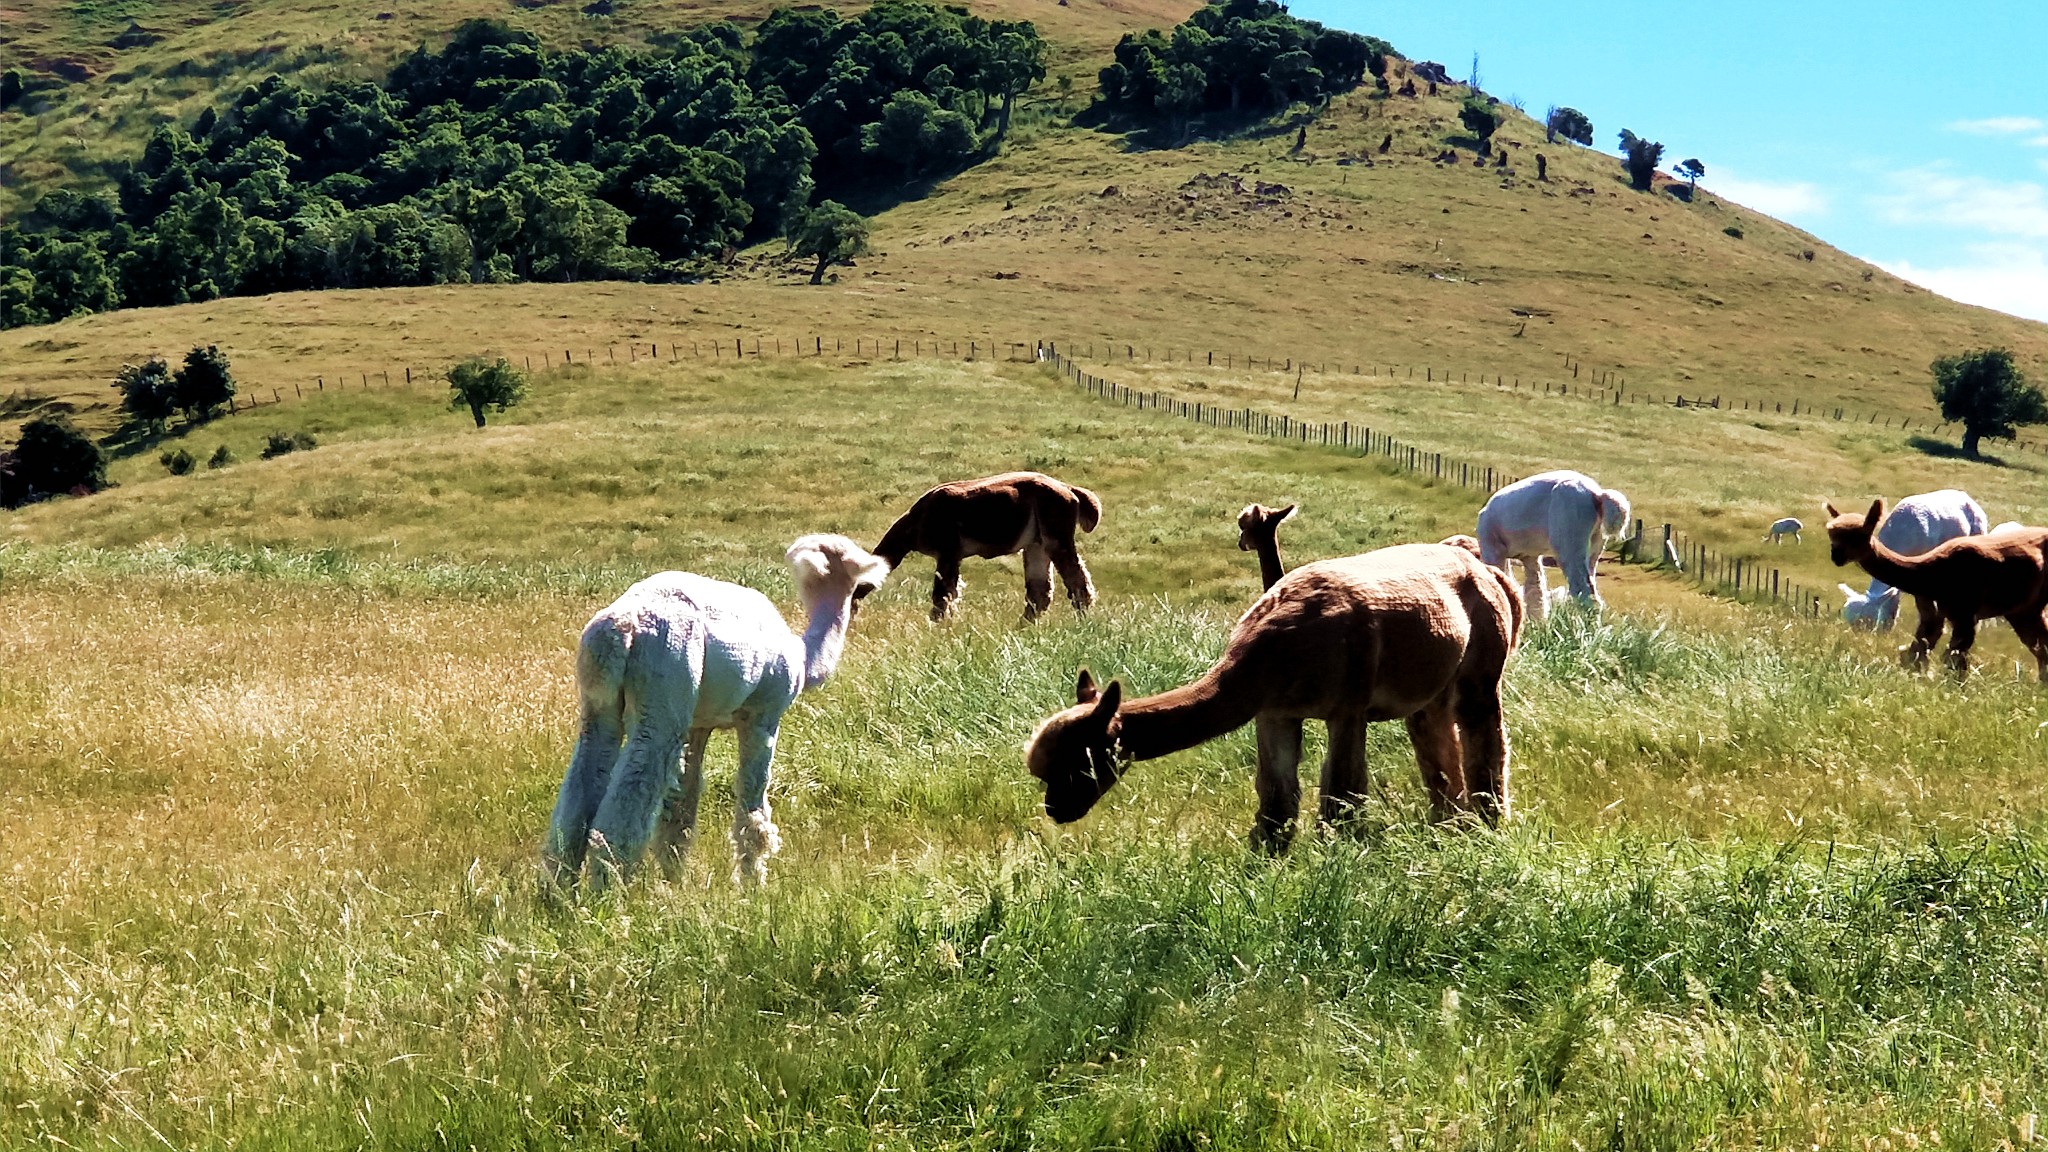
column 1740, row 578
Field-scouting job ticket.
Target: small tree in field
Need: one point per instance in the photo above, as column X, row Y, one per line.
column 830, row 233
column 478, row 384
column 203, row 383
column 53, row 457
column 1641, row 157
column 1569, row 123
column 1694, row 172
column 1987, row 394
column 1480, row 119
column 148, row 394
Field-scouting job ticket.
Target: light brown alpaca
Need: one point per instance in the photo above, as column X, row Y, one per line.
column 1967, row 579
column 1258, row 530
column 1026, row 512
column 1419, row 632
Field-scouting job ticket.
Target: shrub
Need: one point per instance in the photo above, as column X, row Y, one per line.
column 51, row 458
column 177, row 461
column 221, row 458
column 1987, row 394
column 1734, row 230
column 148, row 394
column 1569, row 123
column 1641, row 157
column 1480, row 119
column 280, row 443
column 477, row 384
column 203, row 383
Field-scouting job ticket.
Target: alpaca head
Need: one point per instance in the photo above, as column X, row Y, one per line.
column 1468, row 543
column 1075, row 753
column 1258, row 524
column 1849, row 534
column 1862, row 610
column 833, row 570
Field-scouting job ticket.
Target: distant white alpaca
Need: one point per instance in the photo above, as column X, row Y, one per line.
column 2002, row 525
column 1562, row 514
column 676, row 657
column 1789, row 526
column 1918, row 524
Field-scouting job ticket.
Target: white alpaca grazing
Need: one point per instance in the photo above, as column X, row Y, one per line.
column 1789, row 526
column 675, row 658
column 1562, row 514
column 1916, row 525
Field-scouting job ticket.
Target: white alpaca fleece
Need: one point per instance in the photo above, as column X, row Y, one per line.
column 1562, row 514
column 674, row 658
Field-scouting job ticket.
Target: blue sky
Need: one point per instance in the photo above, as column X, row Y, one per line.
column 1914, row 136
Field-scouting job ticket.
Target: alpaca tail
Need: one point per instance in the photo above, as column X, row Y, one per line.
column 1087, row 508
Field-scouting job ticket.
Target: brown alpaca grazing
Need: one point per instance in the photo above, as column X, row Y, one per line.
column 1258, row 530
column 1967, row 579
column 995, row 516
column 1419, row 632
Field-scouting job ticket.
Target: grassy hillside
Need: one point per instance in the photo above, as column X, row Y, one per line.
column 282, row 739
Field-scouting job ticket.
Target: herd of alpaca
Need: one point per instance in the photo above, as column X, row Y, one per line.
column 1415, row 632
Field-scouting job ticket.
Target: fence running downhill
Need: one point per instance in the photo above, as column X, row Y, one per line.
column 1737, row 577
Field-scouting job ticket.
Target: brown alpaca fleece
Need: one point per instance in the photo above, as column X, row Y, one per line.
column 1258, row 530
column 1026, row 512
column 1967, row 579
column 1416, row 632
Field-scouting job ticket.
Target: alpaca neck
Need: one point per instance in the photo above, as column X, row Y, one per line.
column 1906, row 573
column 1159, row 725
column 1269, row 562
column 825, row 639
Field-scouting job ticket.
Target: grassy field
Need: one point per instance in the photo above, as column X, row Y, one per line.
column 280, row 742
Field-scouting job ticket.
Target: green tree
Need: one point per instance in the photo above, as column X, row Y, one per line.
column 148, row 394
column 1641, row 157
column 830, row 233
column 53, row 457
column 1569, row 123
column 477, row 384
column 1481, row 119
column 1987, row 394
column 203, row 384
column 1693, row 171
column 1016, row 62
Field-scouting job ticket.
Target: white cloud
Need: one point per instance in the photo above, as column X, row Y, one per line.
column 1998, row 126
column 2009, row 280
column 1783, row 199
column 1932, row 196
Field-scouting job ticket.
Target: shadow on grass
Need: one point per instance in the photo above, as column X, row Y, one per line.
column 1943, row 450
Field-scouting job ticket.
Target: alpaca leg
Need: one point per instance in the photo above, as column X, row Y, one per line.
column 1346, row 779
column 1074, row 576
column 1926, row 634
column 945, row 587
column 1960, row 641
column 1534, row 599
column 1435, row 736
column 679, row 812
column 632, row 802
column 1483, row 742
column 1037, row 580
column 2033, row 632
column 754, row 835
column 583, row 788
column 1278, row 783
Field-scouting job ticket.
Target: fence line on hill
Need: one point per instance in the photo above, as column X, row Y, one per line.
column 1737, row 577
column 1600, row 386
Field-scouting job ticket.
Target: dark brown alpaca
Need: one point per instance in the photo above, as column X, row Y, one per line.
column 1970, row 578
column 995, row 516
column 1258, row 530
column 1419, row 632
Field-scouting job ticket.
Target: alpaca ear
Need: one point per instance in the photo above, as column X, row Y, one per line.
column 1084, row 689
column 1829, row 507
column 1286, row 514
column 1849, row 592
column 1875, row 514
column 1112, row 699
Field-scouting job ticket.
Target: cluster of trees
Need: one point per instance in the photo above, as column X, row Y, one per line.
column 495, row 159
column 1239, row 56
column 51, row 458
column 151, row 393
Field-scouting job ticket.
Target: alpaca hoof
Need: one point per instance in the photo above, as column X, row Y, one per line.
column 754, row 839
